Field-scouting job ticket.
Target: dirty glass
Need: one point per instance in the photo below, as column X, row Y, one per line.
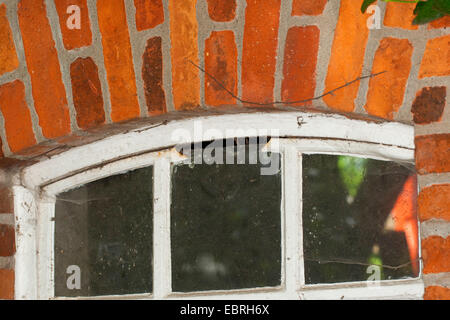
column 359, row 219
column 225, row 225
column 103, row 236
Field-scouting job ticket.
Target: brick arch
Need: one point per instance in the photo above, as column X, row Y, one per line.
column 136, row 60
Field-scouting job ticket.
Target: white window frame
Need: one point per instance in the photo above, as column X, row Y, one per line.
column 298, row 133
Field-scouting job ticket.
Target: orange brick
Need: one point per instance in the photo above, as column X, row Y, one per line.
column 74, row 37
column 184, row 50
column 43, row 66
column 221, row 63
column 18, row 126
column 300, row 59
column 149, row 14
column 6, row 201
column 222, row 10
column 8, row 55
column 6, row 284
column 434, row 202
column 436, row 293
column 112, row 21
column 308, row 7
column 7, row 241
column 347, row 56
column 400, row 15
column 386, row 91
column 429, row 104
column 436, row 254
column 436, row 59
column 152, row 74
column 259, row 50
column 443, row 22
column 433, row 153
column 87, row 93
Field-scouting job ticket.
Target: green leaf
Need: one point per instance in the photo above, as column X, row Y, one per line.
column 426, row 12
column 419, row 7
column 366, row 4
column 442, row 6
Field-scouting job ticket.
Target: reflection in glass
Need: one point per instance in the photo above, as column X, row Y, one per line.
column 225, row 227
column 105, row 229
column 359, row 219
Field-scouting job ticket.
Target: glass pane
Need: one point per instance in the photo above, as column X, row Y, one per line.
column 226, row 226
column 359, row 219
column 104, row 230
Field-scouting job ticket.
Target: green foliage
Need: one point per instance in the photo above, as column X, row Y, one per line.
column 425, row 11
column 352, row 172
column 366, row 4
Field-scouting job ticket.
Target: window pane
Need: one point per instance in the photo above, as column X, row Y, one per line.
column 225, row 227
column 105, row 229
column 359, row 219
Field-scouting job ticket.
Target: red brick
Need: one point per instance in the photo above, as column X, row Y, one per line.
column 43, row 66
column 19, row 131
column 87, row 93
column 386, row 91
column 400, row 15
column 259, row 50
column 429, row 105
column 300, row 59
column 8, row 55
column 433, row 153
column 443, row 22
column 74, row 38
column 434, row 202
column 118, row 59
column 347, row 56
column 184, row 50
column 7, row 241
column 221, row 63
column 436, row 59
column 149, row 14
column 6, row 284
column 308, row 7
column 436, row 254
column 6, row 201
column 222, row 10
column 152, row 74
column 436, row 293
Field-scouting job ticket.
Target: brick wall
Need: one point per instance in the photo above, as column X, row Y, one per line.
column 7, row 244
column 136, row 58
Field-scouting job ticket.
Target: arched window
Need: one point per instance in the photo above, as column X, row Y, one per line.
column 281, row 205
